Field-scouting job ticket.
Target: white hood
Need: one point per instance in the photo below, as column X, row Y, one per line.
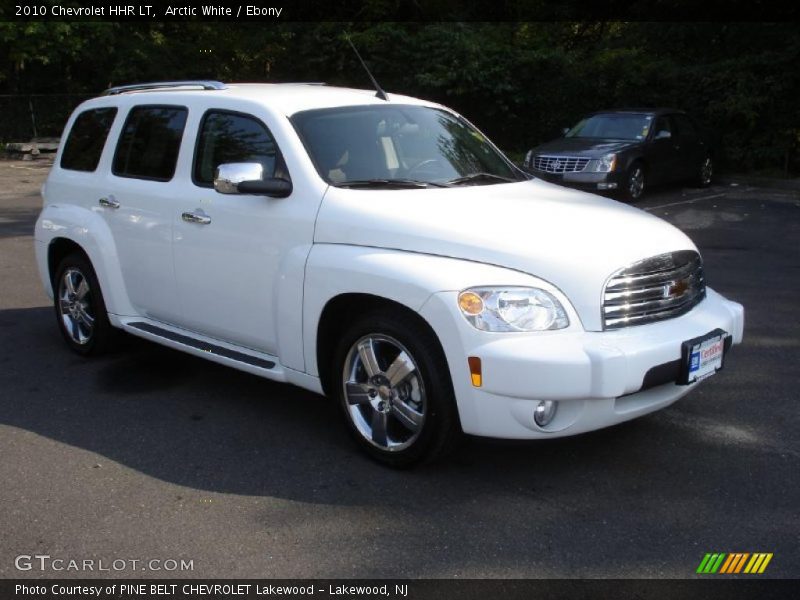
column 571, row 239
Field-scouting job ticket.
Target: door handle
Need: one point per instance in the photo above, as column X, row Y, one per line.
column 108, row 202
column 198, row 216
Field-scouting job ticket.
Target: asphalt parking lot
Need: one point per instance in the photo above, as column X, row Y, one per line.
column 153, row 454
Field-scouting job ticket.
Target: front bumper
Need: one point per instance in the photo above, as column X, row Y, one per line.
column 598, row 378
column 593, row 182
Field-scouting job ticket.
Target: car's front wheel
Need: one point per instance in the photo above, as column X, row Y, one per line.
column 395, row 390
column 634, row 182
column 79, row 306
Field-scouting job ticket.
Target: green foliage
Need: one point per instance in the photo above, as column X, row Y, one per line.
column 519, row 82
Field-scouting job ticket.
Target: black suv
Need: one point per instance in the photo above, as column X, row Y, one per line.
column 625, row 152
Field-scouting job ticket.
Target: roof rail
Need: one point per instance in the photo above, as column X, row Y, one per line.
column 158, row 85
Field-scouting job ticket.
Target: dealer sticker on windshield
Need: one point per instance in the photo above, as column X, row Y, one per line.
column 702, row 357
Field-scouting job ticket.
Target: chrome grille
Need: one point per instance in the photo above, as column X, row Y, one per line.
column 559, row 164
column 655, row 289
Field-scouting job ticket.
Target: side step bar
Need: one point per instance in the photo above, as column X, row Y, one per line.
column 201, row 345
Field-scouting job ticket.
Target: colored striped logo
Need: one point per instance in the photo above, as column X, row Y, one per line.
column 736, row 562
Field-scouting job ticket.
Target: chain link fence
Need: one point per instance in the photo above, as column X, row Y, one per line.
column 28, row 116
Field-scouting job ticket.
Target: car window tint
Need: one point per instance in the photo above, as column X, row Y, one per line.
column 227, row 137
column 686, row 128
column 149, row 142
column 87, row 138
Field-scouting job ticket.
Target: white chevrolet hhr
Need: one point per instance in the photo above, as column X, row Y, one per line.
column 383, row 252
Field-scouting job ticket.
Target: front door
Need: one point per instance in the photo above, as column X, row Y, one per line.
column 663, row 153
column 231, row 249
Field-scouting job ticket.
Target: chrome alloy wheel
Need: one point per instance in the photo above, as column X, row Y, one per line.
column 384, row 392
column 74, row 306
column 636, row 182
column 706, row 171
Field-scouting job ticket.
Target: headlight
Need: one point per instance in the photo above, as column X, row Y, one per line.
column 603, row 165
column 512, row 309
column 528, row 159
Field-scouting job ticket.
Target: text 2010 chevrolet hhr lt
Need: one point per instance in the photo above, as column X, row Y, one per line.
column 383, row 252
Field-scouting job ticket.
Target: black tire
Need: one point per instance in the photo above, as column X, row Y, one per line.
column 705, row 174
column 425, row 390
column 74, row 309
column 635, row 182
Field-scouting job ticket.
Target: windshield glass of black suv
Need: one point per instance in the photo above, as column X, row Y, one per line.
column 613, row 127
column 400, row 145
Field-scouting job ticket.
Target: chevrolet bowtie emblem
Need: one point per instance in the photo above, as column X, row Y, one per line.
column 676, row 288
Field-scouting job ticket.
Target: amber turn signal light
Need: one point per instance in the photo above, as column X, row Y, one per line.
column 475, row 370
column 470, row 303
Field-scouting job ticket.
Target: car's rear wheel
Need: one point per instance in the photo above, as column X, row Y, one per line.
column 394, row 389
column 634, row 182
column 706, row 174
column 79, row 306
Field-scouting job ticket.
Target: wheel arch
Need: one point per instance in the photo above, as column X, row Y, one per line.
column 61, row 230
column 57, row 250
column 340, row 312
column 637, row 158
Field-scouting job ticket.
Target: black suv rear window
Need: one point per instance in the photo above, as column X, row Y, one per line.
column 149, row 143
column 86, row 139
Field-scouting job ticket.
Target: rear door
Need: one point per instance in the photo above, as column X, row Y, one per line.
column 138, row 206
column 692, row 148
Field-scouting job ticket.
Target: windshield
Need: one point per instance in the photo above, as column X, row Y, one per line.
column 613, row 126
column 396, row 144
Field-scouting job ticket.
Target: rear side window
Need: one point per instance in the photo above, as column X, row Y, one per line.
column 149, row 143
column 227, row 137
column 86, row 139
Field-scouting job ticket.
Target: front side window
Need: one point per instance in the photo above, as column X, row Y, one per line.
column 227, row 137
column 615, row 126
column 87, row 138
column 398, row 144
column 149, row 143
column 664, row 128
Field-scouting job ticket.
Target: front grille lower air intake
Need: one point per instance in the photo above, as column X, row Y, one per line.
column 654, row 289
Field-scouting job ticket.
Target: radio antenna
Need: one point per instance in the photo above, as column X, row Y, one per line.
column 379, row 90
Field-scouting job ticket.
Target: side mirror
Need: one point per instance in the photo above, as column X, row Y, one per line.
column 663, row 135
column 247, row 178
column 565, row 131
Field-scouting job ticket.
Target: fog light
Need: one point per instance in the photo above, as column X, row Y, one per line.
column 544, row 412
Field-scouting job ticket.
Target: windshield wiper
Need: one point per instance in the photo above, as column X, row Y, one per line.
column 387, row 183
column 472, row 177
